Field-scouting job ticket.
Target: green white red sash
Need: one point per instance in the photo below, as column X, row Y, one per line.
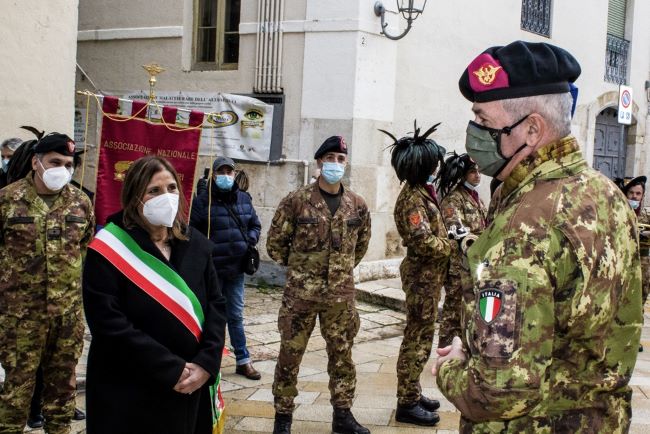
column 150, row 274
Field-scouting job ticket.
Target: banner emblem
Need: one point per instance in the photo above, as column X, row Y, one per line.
column 490, row 301
column 120, row 170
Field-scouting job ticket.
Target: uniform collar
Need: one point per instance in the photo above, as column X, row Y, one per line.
column 557, row 159
column 317, row 200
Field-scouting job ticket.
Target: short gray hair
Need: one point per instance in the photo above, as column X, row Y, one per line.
column 555, row 108
column 12, row 144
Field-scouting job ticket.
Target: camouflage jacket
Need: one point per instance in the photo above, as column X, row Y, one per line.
column 553, row 320
column 424, row 235
column 644, row 241
column 41, row 249
column 320, row 250
column 644, row 216
column 459, row 208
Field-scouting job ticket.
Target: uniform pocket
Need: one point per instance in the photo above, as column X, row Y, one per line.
column 21, row 234
column 75, row 228
column 496, row 324
column 307, row 236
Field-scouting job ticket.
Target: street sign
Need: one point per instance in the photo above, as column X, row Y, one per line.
column 625, row 105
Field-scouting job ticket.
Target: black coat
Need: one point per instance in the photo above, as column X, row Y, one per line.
column 139, row 349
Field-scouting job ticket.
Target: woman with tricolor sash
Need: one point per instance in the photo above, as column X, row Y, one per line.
column 155, row 311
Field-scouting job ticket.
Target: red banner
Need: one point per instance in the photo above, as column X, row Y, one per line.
column 124, row 140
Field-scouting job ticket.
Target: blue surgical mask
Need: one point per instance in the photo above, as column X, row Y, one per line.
column 633, row 203
column 430, row 179
column 332, row 172
column 5, row 164
column 224, row 182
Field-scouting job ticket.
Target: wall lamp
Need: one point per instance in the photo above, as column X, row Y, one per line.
column 410, row 10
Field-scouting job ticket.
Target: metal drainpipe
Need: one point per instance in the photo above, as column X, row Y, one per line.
column 258, row 49
column 305, row 164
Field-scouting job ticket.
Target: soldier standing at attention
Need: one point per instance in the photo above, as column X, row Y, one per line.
column 635, row 192
column 458, row 181
column 553, row 312
column 320, row 231
column 423, row 270
column 45, row 226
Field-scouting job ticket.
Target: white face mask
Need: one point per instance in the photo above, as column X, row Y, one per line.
column 161, row 210
column 471, row 186
column 56, row 178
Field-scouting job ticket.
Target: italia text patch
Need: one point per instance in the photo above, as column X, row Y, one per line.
column 490, row 301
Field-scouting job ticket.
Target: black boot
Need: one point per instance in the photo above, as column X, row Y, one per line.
column 416, row 415
column 78, row 414
column 343, row 422
column 282, row 424
column 429, row 404
column 35, row 420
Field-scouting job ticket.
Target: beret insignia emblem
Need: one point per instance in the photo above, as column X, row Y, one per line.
column 487, row 73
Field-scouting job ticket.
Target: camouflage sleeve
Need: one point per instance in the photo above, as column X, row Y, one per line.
column 363, row 238
column 90, row 229
column 509, row 336
column 451, row 215
column 280, row 235
column 421, row 236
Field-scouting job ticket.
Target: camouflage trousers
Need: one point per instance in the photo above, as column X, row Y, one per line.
column 450, row 317
column 339, row 324
column 421, row 310
column 53, row 342
column 645, row 278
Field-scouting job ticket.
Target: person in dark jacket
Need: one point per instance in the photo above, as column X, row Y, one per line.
column 156, row 313
column 212, row 214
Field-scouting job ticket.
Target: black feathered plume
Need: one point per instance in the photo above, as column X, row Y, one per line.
column 415, row 158
column 452, row 172
column 39, row 134
column 21, row 162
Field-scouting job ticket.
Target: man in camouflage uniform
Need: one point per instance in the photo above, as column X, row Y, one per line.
column 552, row 317
column 321, row 232
column 45, row 226
column 461, row 206
column 423, row 270
column 635, row 193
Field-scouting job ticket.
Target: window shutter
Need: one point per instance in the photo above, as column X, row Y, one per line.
column 616, row 18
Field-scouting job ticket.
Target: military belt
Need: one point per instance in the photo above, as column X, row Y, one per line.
column 644, row 252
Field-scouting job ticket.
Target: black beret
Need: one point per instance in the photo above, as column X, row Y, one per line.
column 55, row 142
column 332, row 144
column 517, row 70
column 639, row 180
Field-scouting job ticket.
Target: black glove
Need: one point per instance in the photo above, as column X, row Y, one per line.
column 201, row 185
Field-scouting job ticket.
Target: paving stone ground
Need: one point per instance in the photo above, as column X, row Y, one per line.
column 249, row 403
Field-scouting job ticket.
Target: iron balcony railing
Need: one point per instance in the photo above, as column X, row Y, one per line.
column 536, row 16
column 616, row 59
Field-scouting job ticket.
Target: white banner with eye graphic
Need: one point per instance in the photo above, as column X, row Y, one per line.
column 235, row 126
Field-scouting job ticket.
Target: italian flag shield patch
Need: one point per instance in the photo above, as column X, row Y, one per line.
column 490, row 304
